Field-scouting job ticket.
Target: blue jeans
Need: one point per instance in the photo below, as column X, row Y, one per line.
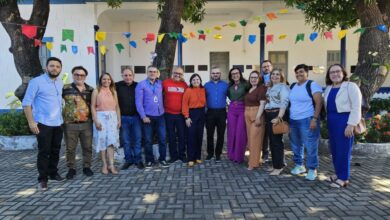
column 157, row 124
column 130, row 136
column 176, row 128
column 301, row 136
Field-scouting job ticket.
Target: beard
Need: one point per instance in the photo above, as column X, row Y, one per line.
column 53, row 75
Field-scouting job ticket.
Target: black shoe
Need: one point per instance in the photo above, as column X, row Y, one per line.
column 71, row 173
column 164, row 163
column 172, row 160
column 149, row 165
column 208, row 158
column 42, row 185
column 218, row 159
column 87, row 171
column 126, row 166
column 184, row 160
column 140, row 166
column 57, row 177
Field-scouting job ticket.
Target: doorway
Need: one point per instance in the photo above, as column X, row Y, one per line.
column 221, row 60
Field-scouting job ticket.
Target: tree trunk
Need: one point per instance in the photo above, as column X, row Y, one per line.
column 371, row 77
column 26, row 55
column 170, row 22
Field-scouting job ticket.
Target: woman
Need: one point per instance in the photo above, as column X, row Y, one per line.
column 343, row 105
column 194, row 101
column 107, row 121
column 236, row 130
column 304, row 122
column 275, row 109
column 254, row 118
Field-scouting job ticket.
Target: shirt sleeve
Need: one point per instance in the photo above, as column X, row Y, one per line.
column 185, row 103
column 139, row 97
column 31, row 92
column 315, row 87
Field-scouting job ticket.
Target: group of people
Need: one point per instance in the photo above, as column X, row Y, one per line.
column 131, row 115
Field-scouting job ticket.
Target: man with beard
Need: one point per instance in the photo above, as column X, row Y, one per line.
column 216, row 93
column 266, row 68
column 42, row 106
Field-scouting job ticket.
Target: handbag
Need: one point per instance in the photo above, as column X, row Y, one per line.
column 281, row 127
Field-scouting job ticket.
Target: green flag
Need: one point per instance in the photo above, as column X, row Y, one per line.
column 300, row 37
column 173, row 35
column 243, row 23
column 67, row 34
column 200, row 31
column 237, row 37
column 360, row 30
column 119, row 47
column 63, row 48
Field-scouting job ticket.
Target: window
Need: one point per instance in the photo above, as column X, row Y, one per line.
column 189, row 68
column 279, row 60
column 202, row 67
column 44, row 54
column 332, row 57
column 139, row 69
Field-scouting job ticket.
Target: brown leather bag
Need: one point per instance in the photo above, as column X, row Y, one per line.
column 281, row 127
column 360, row 128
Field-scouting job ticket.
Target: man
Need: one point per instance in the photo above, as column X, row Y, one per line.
column 130, row 131
column 173, row 95
column 216, row 93
column 42, row 106
column 78, row 121
column 266, row 67
column 150, row 107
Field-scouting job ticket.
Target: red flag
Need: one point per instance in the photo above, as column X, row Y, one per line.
column 149, row 37
column 328, row 35
column 202, row 37
column 269, row 38
column 29, row 31
column 90, row 50
column 37, row 43
column 271, row 16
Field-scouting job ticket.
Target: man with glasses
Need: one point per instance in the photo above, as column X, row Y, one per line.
column 78, row 121
column 266, row 68
column 150, row 107
column 130, row 131
column 216, row 93
column 173, row 95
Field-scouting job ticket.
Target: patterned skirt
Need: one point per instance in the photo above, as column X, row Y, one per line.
column 109, row 135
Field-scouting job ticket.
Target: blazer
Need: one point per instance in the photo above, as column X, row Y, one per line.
column 348, row 99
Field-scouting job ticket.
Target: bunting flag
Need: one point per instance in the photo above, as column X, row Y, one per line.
column 126, row 34
column 217, row 36
column 133, row 44
column 252, row 38
column 269, row 38
column 218, row 28
column 200, row 31
column 232, row 24
column 173, row 35
column 236, row 37
column 149, row 37
column 67, row 34
column 119, row 47
column 382, row 28
column 328, row 35
column 90, row 50
column 208, row 31
column 192, row 35
column 313, row 36
column 283, row 11
column 258, row 18
column 37, row 43
column 75, row 49
column 271, row 16
column 160, row 37
column 100, row 36
column 103, row 49
column 29, row 31
column 182, row 38
column 300, row 37
column 202, row 37
column 342, row 34
column 187, row 36
column 243, row 23
column 49, row 45
column 63, row 48
column 282, row 36
column 360, row 30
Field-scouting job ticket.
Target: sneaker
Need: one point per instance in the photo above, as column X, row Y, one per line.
column 57, row 177
column 298, row 169
column 218, row 159
column 71, row 173
column 87, row 171
column 191, row 164
column 126, row 166
column 208, row 158
column 276, row 172
column 149, row 165
column 42, row 185
column 140, row 166
column 311, row 175
column 164, row 163
column 172, row 160
column 264, row 159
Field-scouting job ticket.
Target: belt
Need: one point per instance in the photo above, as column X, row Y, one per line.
column 216, row 109
column 272, row 110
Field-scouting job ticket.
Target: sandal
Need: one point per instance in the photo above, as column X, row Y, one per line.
column 113, row 170
column 331, row 178
column 104, row 170
column 339, row 184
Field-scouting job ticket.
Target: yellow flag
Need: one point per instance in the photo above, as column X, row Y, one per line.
column 100, row 36
column 103, row 49
column 186, row 35
column 218, row 28
column 160, row 37
column 218, row 36
column 232, row 24
column 342, row 34
column 208, row 31
column 257, row 18
column 49, row 45
column 283, row 11
column 282, row 36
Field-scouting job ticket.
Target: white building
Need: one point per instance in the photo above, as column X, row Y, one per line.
column 140, row 18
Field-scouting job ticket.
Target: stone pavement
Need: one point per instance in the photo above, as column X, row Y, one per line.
column 207, row 191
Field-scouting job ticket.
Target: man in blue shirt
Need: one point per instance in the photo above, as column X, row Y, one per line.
column 42, row 106
column 216, row 92
column 150, row 107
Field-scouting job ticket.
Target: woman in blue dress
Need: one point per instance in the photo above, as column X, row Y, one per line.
column 343, row 101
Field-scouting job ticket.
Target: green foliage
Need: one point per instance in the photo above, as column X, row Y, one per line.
column 114, row 3
column 193, row 10
column 324, row 130
column 13, row 123
column 378, row 105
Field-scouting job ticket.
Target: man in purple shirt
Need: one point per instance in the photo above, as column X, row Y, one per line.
column 150, row 107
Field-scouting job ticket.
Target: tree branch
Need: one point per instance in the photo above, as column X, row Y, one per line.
column 40, row 15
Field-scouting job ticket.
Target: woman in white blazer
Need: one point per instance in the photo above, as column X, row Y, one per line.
column 343, row 101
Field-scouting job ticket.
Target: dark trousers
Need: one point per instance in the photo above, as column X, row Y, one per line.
column 265, row 146
column 215, row 118
column 157, row 123
column 195, row 134
column 275, row 142
column 176, row 133
column 49, row 145
column 130, row 137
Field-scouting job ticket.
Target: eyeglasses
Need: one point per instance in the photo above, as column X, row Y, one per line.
column 336, row 71
column 253, row 77
column 79, row 75
column 177, row 73
column 235, row 73
column 152, row 71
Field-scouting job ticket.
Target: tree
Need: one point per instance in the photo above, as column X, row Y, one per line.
column 371, row 71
